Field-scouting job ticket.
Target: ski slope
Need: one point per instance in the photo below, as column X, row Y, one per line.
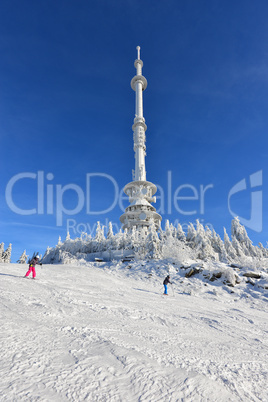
column 105, row 332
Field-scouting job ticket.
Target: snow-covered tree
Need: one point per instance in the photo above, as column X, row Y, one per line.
column 111, row 242
column 218, row 246
column 110, row 233
column 47, row 255
column 168, row 231
column 239, row 232
column 6, row 256
column 208, row 233
column 88, row 244
column 99, row 239
column 202, row 243
column 180, row 233
column 153, row 250
column 172, row 230
column 99, row 236
column 177, row 251
column 23, row 258
column 191, row 234
column 141, row 240
column 216, row 242
column 134, row 239
column 240, row 236
column 231, row 252
column 161, row 234
column 127, row 239
column 238, row 247
column 263, row 250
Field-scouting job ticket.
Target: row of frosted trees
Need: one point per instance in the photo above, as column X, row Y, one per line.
column 199, row 242
column 208, row 244
column 5, row 255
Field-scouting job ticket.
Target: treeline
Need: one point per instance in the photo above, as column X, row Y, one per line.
column 199, row 242
column 5, row 255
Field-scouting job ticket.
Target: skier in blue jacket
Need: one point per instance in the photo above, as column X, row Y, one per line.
column 166, row 281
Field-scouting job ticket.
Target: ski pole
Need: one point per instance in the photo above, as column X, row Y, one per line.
column 172, row 290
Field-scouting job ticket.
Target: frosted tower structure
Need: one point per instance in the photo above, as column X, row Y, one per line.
column 140, row 212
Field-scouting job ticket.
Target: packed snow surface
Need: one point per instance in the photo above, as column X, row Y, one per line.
column 105, row 332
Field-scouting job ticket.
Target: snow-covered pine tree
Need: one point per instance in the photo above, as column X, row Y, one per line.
column 46, row 258
column 23, row 258
column 202, row 243
column 134, row 239
column 68, row 237
column 111, row 243
column 127, row 239
column 152, row 245
column 88, row 245
column 118, row 240
column 176, row 250
column 77, row 246
column 142, row 235
column 122, row 241
column 231, row 252
column 99, row 236
column 59, row 241
column 180, row 233
column 191, row 235
column 172, row 230
column 110, row 233
column 99, row 239
column 209, row 233
column 161, row 234
column 238, row 231
column 258, row 252
column 6, row 257
column 218, row 246
column 216, row 242
column 238, row 247
column 263, row 250
column 167, row 229
column 240, row 234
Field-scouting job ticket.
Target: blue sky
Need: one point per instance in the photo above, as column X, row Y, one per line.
column 67, row 108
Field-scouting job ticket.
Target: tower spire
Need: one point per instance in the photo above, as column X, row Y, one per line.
column 140, row 192
column 138, row 52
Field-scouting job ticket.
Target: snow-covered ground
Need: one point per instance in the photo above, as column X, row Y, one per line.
column 105, row 332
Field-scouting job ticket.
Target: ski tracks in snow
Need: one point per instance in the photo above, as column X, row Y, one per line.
column 87, row 334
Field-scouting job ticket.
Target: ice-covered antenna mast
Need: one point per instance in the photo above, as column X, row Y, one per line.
column 139, row 84
column 138, row 52
column 140, row 213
